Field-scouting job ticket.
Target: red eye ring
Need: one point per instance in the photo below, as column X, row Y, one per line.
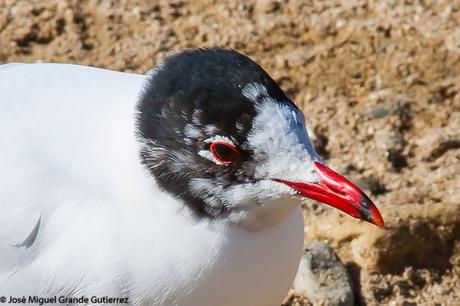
column 224, row 152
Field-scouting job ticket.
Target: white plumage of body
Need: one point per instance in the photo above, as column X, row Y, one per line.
column 70, row 166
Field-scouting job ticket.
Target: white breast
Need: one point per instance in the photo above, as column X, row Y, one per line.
column 253, row 269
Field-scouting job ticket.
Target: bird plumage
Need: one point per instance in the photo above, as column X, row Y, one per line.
column 70, row 162
column 181, row 187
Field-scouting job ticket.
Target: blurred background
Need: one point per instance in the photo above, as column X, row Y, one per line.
column 378, row 81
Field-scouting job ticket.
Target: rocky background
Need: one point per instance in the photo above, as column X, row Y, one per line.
column 379, row 83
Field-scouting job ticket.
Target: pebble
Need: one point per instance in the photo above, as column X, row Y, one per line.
column 322, row 277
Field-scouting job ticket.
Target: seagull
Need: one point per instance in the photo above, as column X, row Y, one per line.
column 179, row 187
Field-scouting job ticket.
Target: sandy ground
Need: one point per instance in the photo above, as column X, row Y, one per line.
column 379, row 83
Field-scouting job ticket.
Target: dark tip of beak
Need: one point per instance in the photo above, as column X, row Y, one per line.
column 369, row 212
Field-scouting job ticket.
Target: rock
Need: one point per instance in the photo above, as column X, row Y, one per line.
column 379, row 112
column 322, row 277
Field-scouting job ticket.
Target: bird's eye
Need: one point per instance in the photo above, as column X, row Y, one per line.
column 224, row 152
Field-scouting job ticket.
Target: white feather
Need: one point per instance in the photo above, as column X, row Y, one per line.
column 254, row 91
column 283, row 138
column 191, row 131
column 219, row 138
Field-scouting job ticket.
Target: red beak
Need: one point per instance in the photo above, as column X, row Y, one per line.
column 335, row 190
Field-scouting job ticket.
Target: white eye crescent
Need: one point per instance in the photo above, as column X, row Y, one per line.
column 222, row 150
